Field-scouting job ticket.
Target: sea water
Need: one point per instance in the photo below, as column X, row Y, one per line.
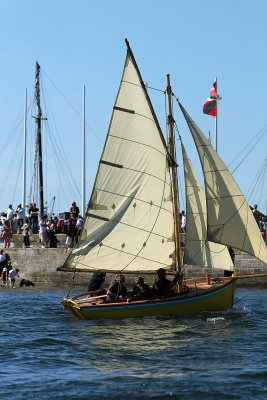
column 46, row 353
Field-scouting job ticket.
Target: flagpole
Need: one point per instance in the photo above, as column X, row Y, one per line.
column 24, row 154
column 216, row 119
column 83, row 156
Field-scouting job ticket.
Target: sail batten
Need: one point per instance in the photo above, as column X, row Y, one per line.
column 229, row 218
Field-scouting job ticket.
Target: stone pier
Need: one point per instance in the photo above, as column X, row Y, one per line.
column 40, row 264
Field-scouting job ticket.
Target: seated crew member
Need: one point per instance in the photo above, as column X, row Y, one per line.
column 141, row 289
column 117, row 290
column 163, row 286
column 96, row 282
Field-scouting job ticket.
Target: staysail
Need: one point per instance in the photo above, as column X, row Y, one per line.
column 129, row 221
column 229, row 218
column 198, row 250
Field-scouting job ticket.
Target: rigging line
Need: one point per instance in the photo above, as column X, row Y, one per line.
column 61, row 172
column 73, row 108
column 250, row 292
column 59, row 146
column 16, row 185
column 58, row 154
column 203, row 243
column 12, row 158
column 156, row 219
column 146, row 85
column 50, row 132
column 260, row 178
column 250, row 149
column 10, row 134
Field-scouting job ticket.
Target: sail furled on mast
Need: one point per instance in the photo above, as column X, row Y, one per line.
column 198, row 250
column 129, row 220
column 229, row 218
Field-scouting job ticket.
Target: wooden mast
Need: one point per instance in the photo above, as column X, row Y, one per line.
column 38, row 122
column 173, row 167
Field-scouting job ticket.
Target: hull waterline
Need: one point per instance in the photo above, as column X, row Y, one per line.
column 217, row 299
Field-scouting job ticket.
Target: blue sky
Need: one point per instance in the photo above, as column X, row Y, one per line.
column 82, row 43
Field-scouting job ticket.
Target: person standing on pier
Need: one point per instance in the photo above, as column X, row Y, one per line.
column 13, row 273
column 26, row 232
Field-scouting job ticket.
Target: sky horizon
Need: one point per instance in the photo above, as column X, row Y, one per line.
column 82, row 43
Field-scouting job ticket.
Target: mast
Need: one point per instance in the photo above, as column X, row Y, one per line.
column 216, row 120
column 83, row 157
column 24, row 155
column 174, row 178
column 38, row 131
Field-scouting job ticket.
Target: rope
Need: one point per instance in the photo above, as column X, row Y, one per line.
column 250, row 292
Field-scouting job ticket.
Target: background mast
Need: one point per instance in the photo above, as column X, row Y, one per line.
column 83, row 157
column 24, row 155
column 38, row 127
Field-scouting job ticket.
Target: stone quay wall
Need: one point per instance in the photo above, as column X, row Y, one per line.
column 40, row 264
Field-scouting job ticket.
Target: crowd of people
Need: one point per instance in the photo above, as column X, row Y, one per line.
column 15, row 221
column 162, row 287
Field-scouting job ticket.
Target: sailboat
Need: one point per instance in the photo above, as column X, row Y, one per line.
column 132, row 219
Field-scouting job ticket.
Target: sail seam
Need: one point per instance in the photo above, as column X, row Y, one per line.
column 129, row 254
column 225, row 197
column 136, row 198
column 119, row 222
column 140, row 143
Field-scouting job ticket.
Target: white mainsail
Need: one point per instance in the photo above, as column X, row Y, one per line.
column 129, row 221
column 229, row 218
column 198, row 250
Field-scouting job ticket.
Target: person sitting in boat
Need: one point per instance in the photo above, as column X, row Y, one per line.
column 163, row 286
column 141, row 289
column 95, row 284
column 117, row 290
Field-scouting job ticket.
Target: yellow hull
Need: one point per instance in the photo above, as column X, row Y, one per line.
column 217, row 299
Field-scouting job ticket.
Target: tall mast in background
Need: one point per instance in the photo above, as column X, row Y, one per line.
column 38, row 131
column 83, row 157
column 24, row 155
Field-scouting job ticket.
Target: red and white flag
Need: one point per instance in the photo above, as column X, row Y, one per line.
column 210, row 106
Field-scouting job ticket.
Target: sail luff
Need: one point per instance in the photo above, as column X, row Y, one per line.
column 230, row 220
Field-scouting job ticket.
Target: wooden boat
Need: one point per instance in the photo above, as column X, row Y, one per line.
column 132, row 220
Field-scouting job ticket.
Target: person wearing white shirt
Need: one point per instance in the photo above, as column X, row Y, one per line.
column 20, row 215
column 12, row 276
column 10, row 213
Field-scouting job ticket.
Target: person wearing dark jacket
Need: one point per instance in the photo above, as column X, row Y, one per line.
column 117, row 290
column 163, row 286
column 141, row 289
column 96, row 282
